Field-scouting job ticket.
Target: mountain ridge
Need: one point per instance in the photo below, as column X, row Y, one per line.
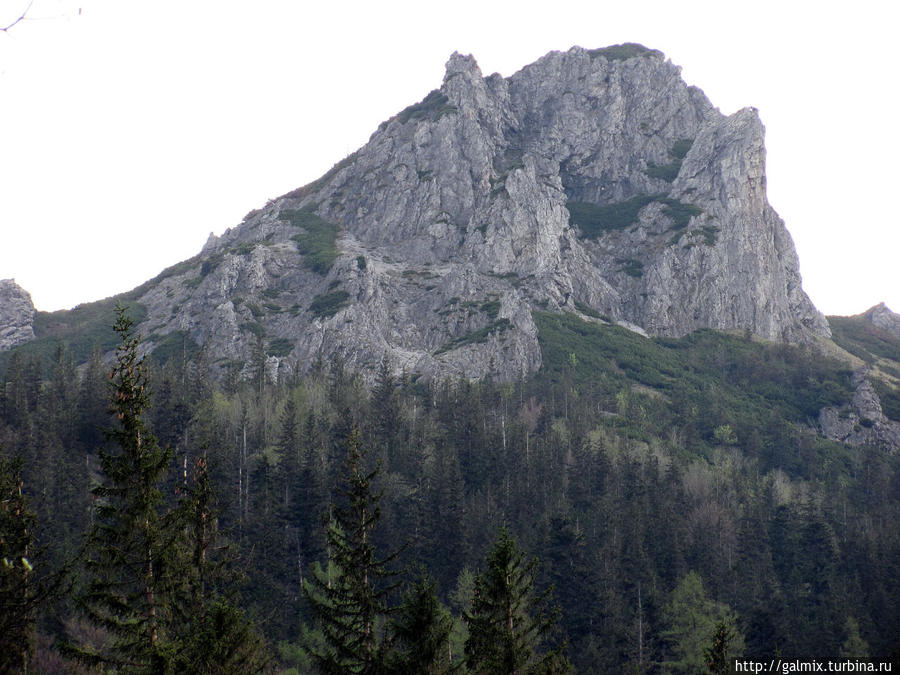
column 591, row 181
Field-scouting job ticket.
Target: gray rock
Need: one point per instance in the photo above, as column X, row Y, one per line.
column 883, row 318
column 16, row 315
column 455, row 222
column 862, row 422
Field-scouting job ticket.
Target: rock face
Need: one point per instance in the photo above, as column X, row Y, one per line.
column 594, row 182
column 884, row 318
column 862, row 422
column 16, row 315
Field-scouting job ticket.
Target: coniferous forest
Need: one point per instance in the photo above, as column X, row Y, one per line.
column 633, row 507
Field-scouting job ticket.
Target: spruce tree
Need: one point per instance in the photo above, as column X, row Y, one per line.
column 349, row 597
column 420, row 633
column 18, row 596
column 210, row 633
column 130, row 565
column 153, row 584
column 508, row 622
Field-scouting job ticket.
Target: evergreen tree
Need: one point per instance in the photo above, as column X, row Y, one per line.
column 420, row 633
column 17, row 589
column 151, row 581
column 130, row 555
column 718, row 659
column 508, row 622
column 693, row 620
column 350, row 596
column 211, row 634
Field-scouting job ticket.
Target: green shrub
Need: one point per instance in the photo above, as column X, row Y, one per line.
column 280, row 347
column 679, row 212
column 681, row 148
column 667, row 172
column 632, row 267
column 432, row 107
column 595, row 219
column 475, row 337
column 491, row 308
column 361, row 262
column 329, row 304
column 319, row 243
column 628, row 50
column 588, row 311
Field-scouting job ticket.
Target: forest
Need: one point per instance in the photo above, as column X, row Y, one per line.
column 634, row 506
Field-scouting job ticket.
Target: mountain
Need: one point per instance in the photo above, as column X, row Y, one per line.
column 591, row 182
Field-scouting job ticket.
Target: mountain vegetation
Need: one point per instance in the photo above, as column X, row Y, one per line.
column 649, row 498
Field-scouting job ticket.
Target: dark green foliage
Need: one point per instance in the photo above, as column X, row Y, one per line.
column 668, row 172
column 177, row 345
column 589, row 311
column 475, row 337
column 318, row 243
column 491, row 308
column 877, row 347
column 361, row 262
column 280, row 347
column 864, row 339
column 81, row 329
column 420, row 633
column 627, row 50
column 759, row 379
column 18, row 596
column 434, row 106
column 508, row 623
column 350, row 595
column 130, row 566
column 681, row 148
column 595, row 219
column 679, row 212
column 710, row 234
column 632, row 267
column 329, row 304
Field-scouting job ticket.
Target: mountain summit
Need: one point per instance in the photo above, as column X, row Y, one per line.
column 592, row 181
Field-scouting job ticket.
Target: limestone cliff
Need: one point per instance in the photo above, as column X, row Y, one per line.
column 594, row 182
column 16, row 315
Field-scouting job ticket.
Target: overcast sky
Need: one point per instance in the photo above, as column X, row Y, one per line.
column 131, row 130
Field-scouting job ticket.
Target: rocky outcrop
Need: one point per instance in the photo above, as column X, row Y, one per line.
column 883, row 318
column 592, row 181
column 16, row 315
column 862, row 422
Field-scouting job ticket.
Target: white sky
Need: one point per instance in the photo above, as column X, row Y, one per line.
column 131, row 130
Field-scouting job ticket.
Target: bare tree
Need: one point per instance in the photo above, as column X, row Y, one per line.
column 5, row 29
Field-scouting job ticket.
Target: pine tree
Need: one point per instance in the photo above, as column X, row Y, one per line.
column 130, row 556
column 350, row 596
column 508, row 623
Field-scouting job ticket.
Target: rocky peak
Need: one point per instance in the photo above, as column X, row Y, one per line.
column 883, row 318
column 591, row 181
column 16, row 315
